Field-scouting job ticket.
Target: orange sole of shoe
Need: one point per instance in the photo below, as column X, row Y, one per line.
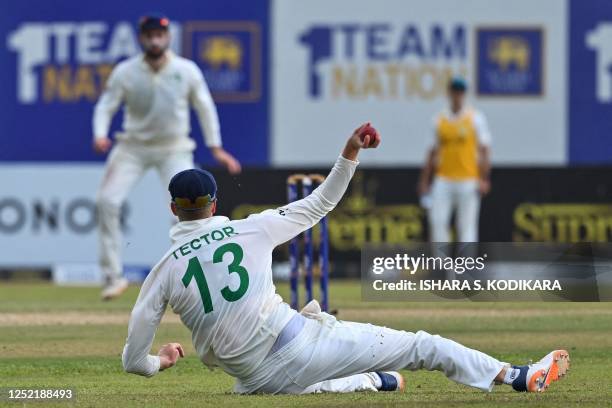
column 402, row 384
column 558, row 368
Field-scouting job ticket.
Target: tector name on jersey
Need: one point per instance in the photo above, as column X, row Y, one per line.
column 205, row 239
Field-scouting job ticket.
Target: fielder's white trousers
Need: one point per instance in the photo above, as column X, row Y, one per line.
column 331, row 356
column 448, row 196
column 125, row 166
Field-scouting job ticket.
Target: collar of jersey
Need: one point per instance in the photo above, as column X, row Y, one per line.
column 455, row 116
column 186, row 228
column 145, row 66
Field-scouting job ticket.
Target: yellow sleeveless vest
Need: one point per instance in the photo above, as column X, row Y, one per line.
column 457, row 147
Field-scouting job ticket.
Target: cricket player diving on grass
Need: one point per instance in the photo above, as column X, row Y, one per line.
column 217, row 276
column 157, row 88
column 456, row 171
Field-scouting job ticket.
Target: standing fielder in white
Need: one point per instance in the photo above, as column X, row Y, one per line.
column 157, row 88
column 217, row 276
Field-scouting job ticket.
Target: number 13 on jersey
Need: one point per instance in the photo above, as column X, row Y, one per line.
column 195, row 271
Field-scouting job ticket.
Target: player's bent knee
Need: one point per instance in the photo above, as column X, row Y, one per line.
column 422, row 334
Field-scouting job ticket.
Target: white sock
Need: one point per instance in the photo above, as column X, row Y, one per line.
column 511, row 374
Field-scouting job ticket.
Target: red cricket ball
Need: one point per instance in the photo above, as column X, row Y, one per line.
column 368, row 129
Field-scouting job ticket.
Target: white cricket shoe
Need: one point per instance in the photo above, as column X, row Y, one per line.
column 537, row 377
column 114, row 289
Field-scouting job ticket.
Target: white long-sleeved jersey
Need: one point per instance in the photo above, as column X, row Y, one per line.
column 218, row 278
column 157, row 104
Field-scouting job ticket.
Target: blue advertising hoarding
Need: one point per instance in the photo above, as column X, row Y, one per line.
column 56, row 57
column 590, row 82
column 510, row 61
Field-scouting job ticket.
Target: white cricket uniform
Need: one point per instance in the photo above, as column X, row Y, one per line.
column 218, row 278
column 462, row 195
column 155, row 134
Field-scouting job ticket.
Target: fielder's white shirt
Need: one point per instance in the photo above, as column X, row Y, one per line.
column 218, row 278
column 157, row 103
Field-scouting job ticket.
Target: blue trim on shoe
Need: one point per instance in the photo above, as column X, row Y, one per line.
column 388, row 381
column 520, row 382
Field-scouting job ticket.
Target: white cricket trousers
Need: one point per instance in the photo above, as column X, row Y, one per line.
column 331, row 356
column 448, row 196
column 125, row 166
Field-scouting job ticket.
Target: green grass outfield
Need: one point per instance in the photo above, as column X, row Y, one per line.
column 66, row 337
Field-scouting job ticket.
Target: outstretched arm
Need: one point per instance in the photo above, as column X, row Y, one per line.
column 145, row 318
column 104, row 110
column 484, row 153
column 286, row 222
column 206, row 110
column 484, row 185
column 427, row 172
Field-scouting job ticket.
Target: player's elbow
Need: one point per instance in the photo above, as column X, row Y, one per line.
column 146, row 366
column 138, row 369
column 129, row 365
column 130, row 369
column 132, row 366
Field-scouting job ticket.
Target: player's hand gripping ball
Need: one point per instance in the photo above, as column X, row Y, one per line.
column 368, row 134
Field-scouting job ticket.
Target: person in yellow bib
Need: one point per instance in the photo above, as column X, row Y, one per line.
column 456, row 172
